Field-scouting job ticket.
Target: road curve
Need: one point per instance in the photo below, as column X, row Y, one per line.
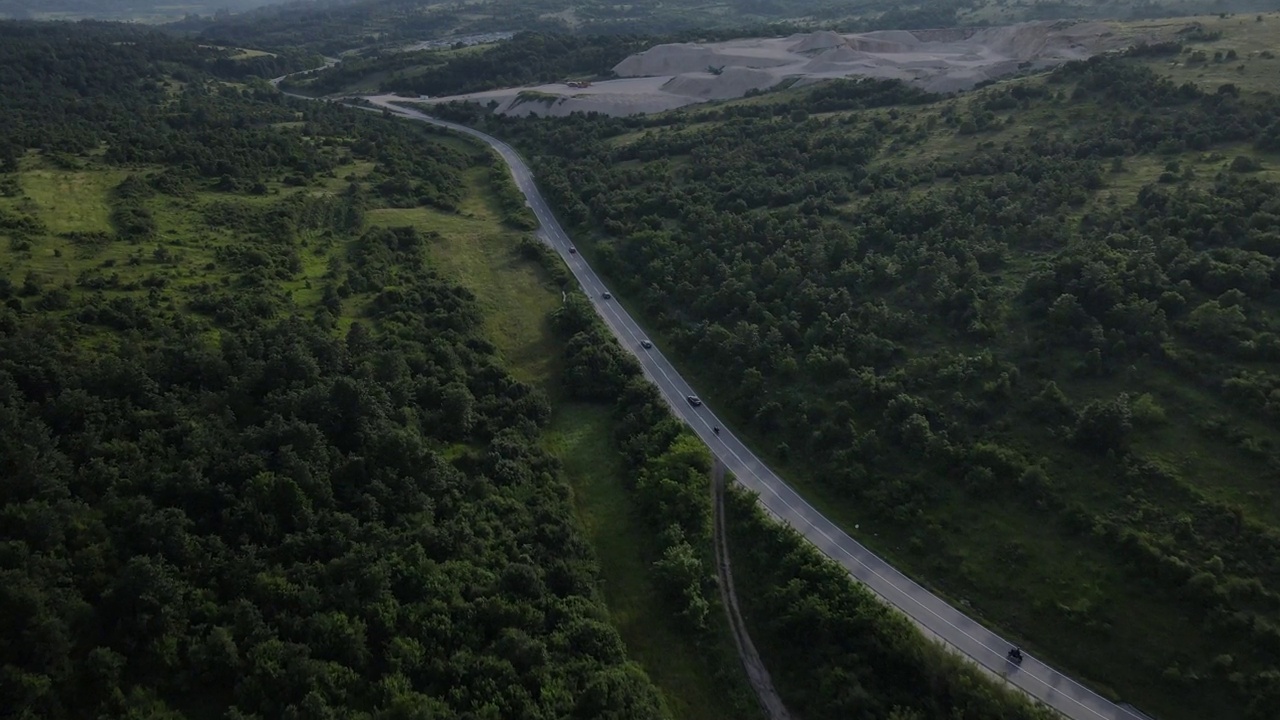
column 928, row 610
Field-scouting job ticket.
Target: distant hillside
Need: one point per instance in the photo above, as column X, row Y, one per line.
column 158, row 10
column 333, row 26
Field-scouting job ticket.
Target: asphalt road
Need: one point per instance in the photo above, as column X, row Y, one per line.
column 928, row 610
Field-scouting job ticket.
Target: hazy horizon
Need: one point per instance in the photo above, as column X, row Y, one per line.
column 140, row 10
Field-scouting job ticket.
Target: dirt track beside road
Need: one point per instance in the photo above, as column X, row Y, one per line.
column 757, row 674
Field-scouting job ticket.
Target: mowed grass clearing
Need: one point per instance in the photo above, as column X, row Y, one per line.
column 476, row 251
column 579, row 436
column 72, row 201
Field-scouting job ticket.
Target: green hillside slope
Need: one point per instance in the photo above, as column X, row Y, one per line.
column 1025, row 339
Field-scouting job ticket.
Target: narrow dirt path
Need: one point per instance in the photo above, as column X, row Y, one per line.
column 757, row 674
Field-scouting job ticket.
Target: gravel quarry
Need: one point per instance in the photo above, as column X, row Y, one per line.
column 944, row 60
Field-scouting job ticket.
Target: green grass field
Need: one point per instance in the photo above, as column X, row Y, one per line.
column 479, row 253
column 580, row 437
column 71, row 201
column 1244, row 34
column 181, row 250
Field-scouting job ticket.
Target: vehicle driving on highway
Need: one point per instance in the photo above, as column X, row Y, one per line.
column 607, row 295
column 693, row 400
column 646, row 344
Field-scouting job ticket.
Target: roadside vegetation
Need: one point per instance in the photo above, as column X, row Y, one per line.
column 518, row 287
column 1025, row 337
column 837, row 650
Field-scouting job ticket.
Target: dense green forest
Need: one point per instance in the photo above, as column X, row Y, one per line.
column 1027, row 338
column 258, row 459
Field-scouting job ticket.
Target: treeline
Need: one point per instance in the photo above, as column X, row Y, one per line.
column 516, row 212
column 947, row 337
column 1145, row 112
column 269, row 466
column 672, row 478
column 337, row 27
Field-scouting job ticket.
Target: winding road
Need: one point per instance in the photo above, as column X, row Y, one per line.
column 932, row 613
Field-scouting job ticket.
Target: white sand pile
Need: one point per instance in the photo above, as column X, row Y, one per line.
column 1042, row 41
column 839, row 60
column 603, row 103
column 734, row 82
column 843, row 54
column 821, row 40
column 944, row 35
column 902, row 37
column 870, row 43
column 676, row 58
column 940, row 60
column 1015, row 41
column 667, row 59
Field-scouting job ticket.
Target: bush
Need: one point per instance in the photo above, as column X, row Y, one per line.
column 1245, row 164
column 1104, row 426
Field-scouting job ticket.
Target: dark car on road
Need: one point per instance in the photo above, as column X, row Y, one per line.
column 607, row 295
column 693, row 400
column 572, row 249
column 646, row 344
